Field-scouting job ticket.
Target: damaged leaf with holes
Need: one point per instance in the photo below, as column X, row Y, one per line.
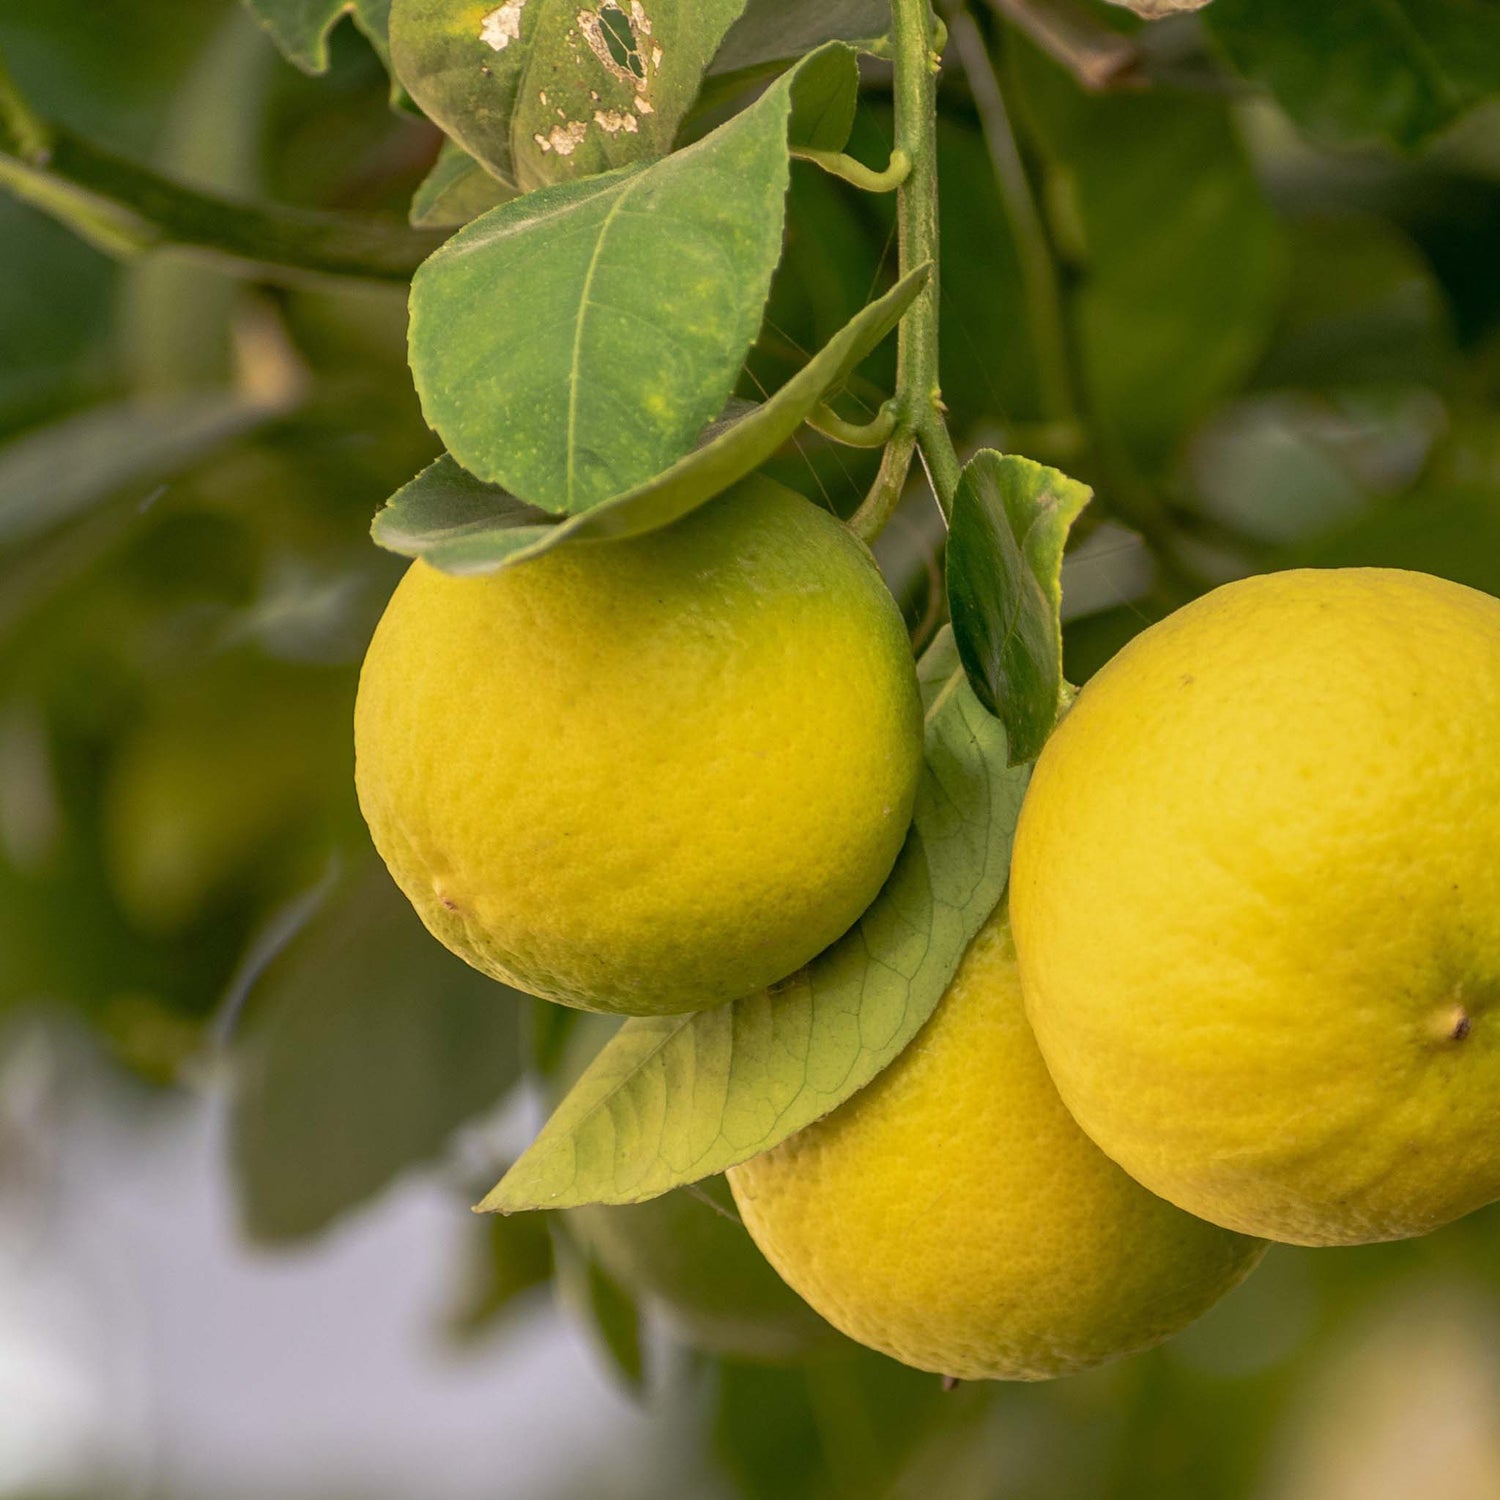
column 574, row 343
column 542, row 91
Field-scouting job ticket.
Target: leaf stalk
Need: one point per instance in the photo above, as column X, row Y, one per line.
column 856, row 173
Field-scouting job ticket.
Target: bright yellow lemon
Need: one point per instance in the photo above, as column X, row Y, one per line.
column 645, row 776
column 952, row 1215
column 1256, row 895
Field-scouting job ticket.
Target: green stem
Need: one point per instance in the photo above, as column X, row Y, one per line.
column 124, row 208
column 885, row 494
column 917, row 385
column 1043, row 292
column 873, row 434
column 855, row 172
column 21, row 129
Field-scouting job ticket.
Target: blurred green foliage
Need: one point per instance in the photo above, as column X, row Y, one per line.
column 1284, row 348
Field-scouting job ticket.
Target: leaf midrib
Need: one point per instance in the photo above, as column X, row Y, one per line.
column 583, row 310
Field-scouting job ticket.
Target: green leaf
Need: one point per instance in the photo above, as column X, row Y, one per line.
column 456, row 190
column 606, row 1310
column 1180, row 256
column 1362, row 305
column 50, row 475
column 462, row 525
column 670, row 1100
column 300, row 27
column 1401, row 70
column 546, row 90
column 1005, row 548
column 370, row 1045
column 511, row 1256
column 776, row 31
column 573, row 344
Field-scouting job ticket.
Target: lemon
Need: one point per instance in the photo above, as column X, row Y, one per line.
column 1256, row 895
column 952, row 1215
column 651, row 775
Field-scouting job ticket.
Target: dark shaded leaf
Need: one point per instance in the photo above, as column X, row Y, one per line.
column 1179, row 255
column 456, row 190
column 369, row 1045
column 777, row 31
column 1009, row 525
column 1401, row 70
column 51, row 475
column 605, row 1309
column 300, row 27
column 511, row 1257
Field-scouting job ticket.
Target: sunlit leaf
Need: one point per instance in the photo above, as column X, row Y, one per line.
column 368, row 1044
column 462, row 525
column 674, row 1099
column 546, row 90
column 573, row 344
column 1010, row 522
column 1361, row 69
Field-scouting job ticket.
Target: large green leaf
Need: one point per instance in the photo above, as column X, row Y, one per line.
column 546, row 90
column 463, row 525
column 369, row 1045
column 1180, row 257
column 573, row 344
column 300, row 27
column 674, row 1099
column 1005, row 547
column 1361, row 69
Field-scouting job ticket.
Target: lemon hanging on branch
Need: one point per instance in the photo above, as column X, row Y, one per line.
column 1256, row 895
column 953, row 1216
column 646, row 776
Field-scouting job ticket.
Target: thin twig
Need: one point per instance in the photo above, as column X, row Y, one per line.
column 1042, row 290
column 125, row 208
column 1096, row 56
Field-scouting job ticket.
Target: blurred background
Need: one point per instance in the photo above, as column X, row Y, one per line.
column 1238, row 277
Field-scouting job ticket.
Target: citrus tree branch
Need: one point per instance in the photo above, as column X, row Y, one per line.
column 1096, row 56
column 124, row 208
column 914, row 60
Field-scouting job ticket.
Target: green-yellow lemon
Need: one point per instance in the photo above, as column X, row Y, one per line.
column 645, row 776
column 1256, row 895
column 953, row 1216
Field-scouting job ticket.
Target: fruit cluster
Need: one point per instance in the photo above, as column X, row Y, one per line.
column 1242, row 988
